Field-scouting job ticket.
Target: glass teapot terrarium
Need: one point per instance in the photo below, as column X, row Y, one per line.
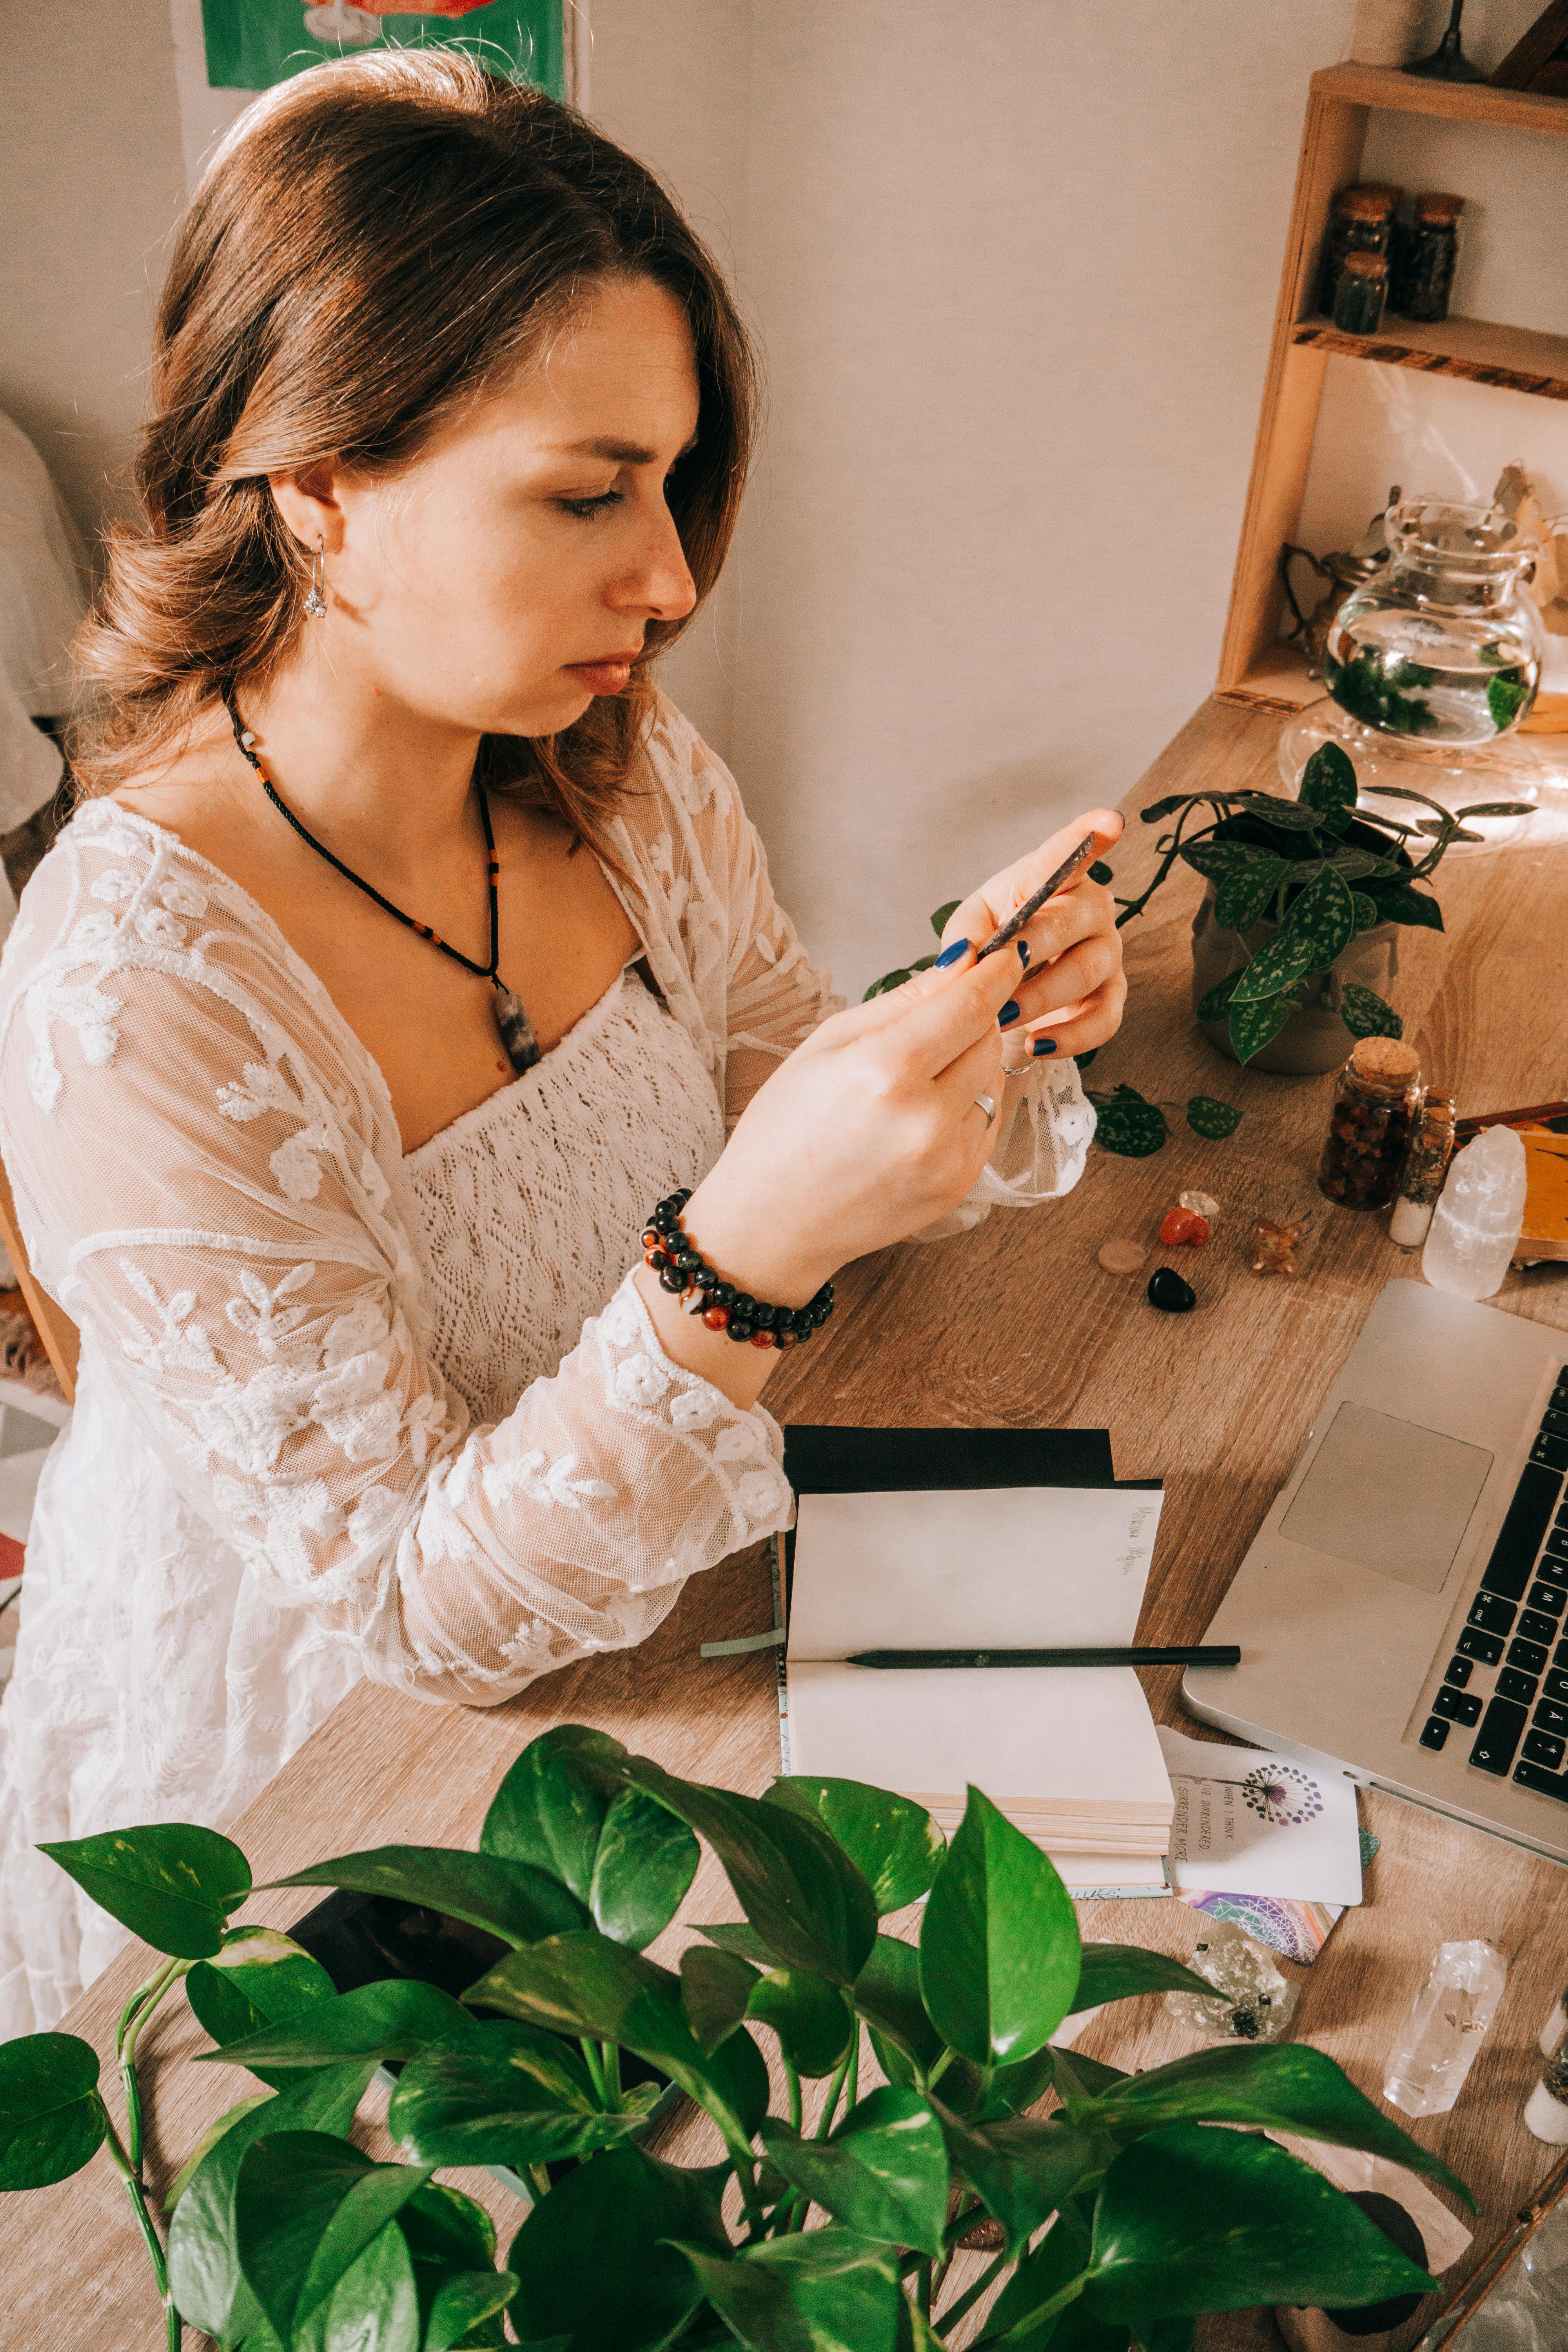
column 1442, row 647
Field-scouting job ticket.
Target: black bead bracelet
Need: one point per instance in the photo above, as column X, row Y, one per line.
column 688, row 1277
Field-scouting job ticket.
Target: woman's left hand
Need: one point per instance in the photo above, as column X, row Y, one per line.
column 1071, row 996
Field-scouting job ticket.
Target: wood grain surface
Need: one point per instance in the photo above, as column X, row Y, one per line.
column 1013, row 1324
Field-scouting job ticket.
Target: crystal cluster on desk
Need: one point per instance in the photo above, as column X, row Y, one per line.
column 1254, row 2001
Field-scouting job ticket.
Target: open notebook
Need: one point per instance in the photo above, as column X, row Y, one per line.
column 1070, row 1754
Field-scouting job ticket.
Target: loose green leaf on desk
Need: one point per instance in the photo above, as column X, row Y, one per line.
column 999, row 1954
column 1207, row 1116
column 51, row 2117
column 883, row 2172
column 1192, row 2220
column 828, row 2288
column 510, row 1899
column 1127, row 1125
column 892, row 1841
column 171, row 1882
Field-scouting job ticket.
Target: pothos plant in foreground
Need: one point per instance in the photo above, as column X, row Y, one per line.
column 1116, row 2219
column 1125, row 1123
column 1321, row 872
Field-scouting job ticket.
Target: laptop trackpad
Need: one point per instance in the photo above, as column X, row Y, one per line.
column 1388, row 1495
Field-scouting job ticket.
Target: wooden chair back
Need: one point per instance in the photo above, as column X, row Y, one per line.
column 58, row 1333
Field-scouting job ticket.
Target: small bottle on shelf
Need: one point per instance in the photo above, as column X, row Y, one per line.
column 1426, row 1158
column 1421, row 265
column 1361, row 222
column 1376, row 1100
column 1361, row 293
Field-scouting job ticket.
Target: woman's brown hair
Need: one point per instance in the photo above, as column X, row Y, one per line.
column 377, row 240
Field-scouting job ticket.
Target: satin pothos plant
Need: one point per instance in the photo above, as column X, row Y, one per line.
column 1314, row 872
column 909, row 2074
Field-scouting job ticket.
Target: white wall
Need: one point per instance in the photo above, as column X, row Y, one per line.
column 1013, row 266
column 90, row 184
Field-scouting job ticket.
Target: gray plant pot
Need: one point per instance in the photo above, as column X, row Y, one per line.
column 1316, row 1038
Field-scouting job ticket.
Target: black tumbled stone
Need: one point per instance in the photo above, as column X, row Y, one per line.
column 1169, row 1292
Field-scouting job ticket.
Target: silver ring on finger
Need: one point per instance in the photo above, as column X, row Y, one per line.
column 986, row 1103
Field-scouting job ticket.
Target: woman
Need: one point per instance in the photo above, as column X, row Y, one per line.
column 408, row 949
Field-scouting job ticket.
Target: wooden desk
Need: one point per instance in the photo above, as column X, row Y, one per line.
column 1013, row 1324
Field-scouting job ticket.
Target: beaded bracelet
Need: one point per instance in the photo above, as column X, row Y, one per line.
column 687, row 1276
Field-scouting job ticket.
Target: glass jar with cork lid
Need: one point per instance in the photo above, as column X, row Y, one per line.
column 1362, row 221
column 1376, row 1097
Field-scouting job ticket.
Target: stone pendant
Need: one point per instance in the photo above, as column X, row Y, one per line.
column 516, row 1030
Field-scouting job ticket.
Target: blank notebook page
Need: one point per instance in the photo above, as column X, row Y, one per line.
column 1064, row 1741
column 986, row 1567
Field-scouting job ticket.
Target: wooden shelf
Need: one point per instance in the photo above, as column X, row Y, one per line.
column 1482, row 350
column 1254, row 666
column 1448, row 101
column 1278, row 680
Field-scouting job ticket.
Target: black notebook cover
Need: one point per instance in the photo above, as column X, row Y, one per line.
column 832, row 1459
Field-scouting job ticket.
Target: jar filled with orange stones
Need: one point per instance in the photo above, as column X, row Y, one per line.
column 1376, row 1097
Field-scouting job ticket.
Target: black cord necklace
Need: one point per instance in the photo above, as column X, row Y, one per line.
column 512, row 1014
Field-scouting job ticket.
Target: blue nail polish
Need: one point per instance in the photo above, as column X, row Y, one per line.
column 1023, row 948
column 952, row 954
column 1042, row 1045
column 1009, row 1013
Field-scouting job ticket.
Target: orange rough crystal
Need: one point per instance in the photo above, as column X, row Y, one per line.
column 1183, row 1226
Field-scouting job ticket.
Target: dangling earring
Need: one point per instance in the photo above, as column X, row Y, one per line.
column 315, row 603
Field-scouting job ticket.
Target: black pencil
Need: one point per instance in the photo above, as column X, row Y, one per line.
column 1201, row 1653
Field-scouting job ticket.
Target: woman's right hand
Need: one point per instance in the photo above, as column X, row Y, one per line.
column 868, row 1131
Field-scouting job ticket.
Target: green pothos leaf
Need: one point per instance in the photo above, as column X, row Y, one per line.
column 1365, row 1015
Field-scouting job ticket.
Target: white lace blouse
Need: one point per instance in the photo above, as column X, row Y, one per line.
column 342, row 1412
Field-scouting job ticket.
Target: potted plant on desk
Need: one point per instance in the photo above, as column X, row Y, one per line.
column 1114, row 2221
column 1296, row 942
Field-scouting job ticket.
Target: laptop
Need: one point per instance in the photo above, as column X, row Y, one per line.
column 1402, row 1610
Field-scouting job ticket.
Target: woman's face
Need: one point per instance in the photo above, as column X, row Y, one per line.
column 507, row 575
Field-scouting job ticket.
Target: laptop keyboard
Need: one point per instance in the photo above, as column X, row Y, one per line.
column 1505, row 1687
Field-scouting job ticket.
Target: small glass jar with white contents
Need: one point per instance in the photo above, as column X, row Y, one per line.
column 1421, row 1175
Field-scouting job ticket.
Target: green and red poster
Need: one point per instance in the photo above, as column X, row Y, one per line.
column 251, row 44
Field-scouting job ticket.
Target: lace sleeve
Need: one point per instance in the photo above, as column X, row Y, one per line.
column 208, row 1188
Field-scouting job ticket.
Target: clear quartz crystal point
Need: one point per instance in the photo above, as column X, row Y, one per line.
column 1253, row 2002
column 1437, row 2045
column 1476, row 1223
